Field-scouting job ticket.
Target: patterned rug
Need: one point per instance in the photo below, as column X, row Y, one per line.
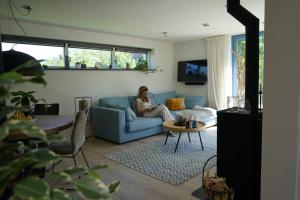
column 159, row 161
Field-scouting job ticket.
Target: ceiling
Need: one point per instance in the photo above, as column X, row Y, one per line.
column 182, row 19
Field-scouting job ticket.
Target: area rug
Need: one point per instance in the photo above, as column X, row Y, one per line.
column 161, row 162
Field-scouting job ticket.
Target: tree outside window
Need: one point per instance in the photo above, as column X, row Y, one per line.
column 238, row 46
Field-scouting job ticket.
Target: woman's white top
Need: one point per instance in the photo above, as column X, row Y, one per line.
column 144, row 104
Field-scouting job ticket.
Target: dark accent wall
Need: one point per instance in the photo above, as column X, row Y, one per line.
column 251, row 24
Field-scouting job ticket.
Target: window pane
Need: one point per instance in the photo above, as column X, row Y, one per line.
column 239, row 44
column 53, row 56
column 92, row 58
column 128, row 60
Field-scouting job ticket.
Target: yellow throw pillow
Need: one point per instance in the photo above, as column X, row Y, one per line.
column 176, row 104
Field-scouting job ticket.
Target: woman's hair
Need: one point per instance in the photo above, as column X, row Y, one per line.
column 141, row 90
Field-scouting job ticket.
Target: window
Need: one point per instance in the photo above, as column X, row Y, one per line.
column 92, row 58
column 59, row 54
column 52, row 56
column 238, row 60
column 128, row 60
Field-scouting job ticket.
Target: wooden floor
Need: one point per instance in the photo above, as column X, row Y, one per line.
column 134, row 185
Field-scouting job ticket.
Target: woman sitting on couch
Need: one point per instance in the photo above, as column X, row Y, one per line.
column 144, row 107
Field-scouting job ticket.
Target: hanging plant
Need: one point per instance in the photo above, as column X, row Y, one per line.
column 142, row 65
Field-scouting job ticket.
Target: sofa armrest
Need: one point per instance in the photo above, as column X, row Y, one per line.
column 108, row 123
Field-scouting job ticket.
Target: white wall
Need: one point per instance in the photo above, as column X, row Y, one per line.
column 191, row 50
column 280, row 144
column 64, row 85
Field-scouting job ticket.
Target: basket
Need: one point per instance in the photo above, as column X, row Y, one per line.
column 215, row 188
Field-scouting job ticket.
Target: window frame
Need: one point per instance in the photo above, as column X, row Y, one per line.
column 66, row 44
column 234, row 41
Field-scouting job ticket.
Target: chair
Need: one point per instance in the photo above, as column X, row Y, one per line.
column 70, row 149
column 46, row 109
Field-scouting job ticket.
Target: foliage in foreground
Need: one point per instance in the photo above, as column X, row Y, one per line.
column 20, row 164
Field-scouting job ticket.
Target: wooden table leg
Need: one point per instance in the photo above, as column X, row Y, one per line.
column 178, row 142
column 201, row 140
column 168, row 133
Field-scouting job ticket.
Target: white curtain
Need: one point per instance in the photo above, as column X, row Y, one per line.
column 219, row 71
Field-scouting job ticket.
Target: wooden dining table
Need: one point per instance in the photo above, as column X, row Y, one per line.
column 51, row 124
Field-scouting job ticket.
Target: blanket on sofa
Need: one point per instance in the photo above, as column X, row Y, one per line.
column 202, row 114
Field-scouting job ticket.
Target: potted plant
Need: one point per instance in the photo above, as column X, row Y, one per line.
column 26, row 100
column 142, row 65
column 19, row 162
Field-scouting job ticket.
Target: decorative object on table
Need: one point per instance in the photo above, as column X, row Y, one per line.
column 97, row 65
column 84, row 104
column 215, row 188
column 83, row 65
column 77, row 65
column 159, row 161
column 180, row 120
column 26, row 101
column 191, row 124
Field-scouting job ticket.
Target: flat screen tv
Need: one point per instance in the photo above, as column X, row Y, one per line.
column 194, row 71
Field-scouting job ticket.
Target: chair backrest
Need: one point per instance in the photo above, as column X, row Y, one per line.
column 78, row 132
column 46, row 109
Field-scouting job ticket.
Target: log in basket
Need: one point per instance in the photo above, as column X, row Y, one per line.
column 215, row 188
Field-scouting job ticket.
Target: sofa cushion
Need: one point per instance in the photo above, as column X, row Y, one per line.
column 176, row 104
column 142, row 123
column 114, row 101
column 162, row 98
column 191, row 101
column 129, row 114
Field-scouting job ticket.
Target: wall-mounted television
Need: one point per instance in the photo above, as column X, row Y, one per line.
column 192, row 72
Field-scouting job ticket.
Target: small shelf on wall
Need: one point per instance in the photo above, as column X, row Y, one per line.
column 93, row 69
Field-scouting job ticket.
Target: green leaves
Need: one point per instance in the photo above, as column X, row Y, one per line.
column 38, row 79
column 24, row 99
column 19, row 163
column 114, row 186
column 23, row 127
column 43, row 157
column 57, row 194
column 32, row 188
column 10, row 77
column 92, row 188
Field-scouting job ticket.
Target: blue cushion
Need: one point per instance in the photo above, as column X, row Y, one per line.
column 162, row 98
column 114, row 101
column 132, row 102
column 191, row 101
column 142, row 123
column 129, row 114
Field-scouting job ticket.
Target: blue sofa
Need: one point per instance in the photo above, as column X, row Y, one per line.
column 110, row 124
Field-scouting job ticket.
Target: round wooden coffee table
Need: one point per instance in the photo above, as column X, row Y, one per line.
column 175, row 129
